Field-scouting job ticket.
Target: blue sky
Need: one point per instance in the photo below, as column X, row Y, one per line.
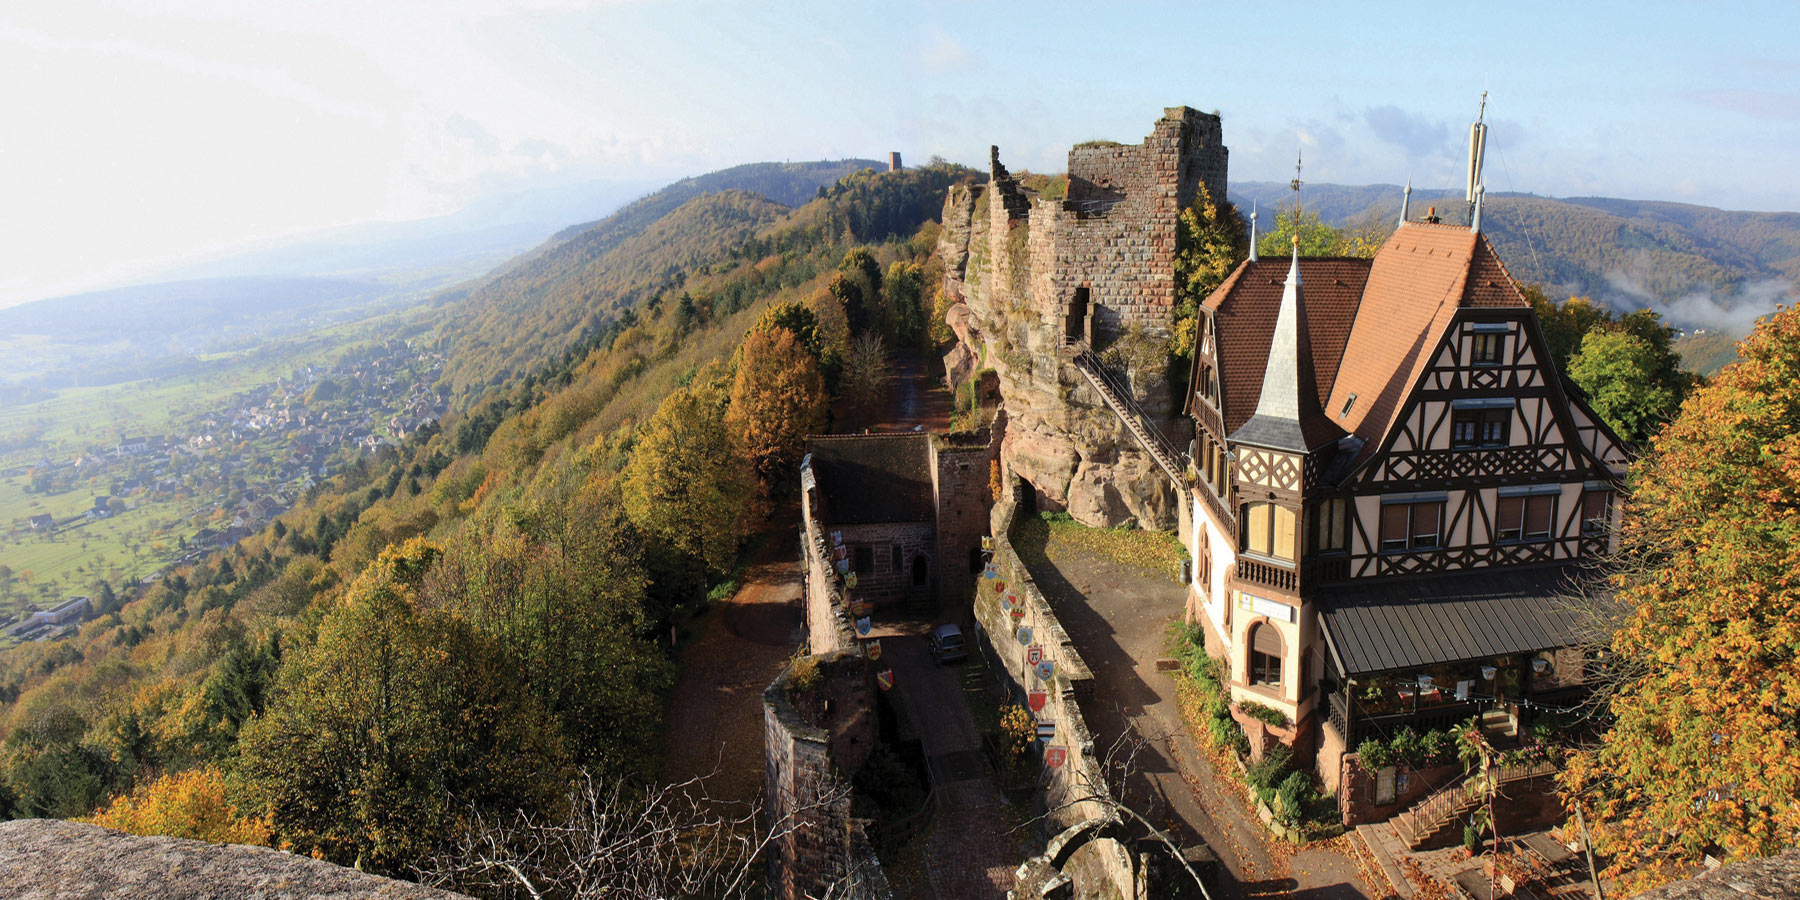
column 140, row 134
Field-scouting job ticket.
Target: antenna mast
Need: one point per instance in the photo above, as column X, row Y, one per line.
column 1477, row 153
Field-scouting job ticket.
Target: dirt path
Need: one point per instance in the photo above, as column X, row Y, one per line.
column 1118, row 616
column 715, row 719
column 916, row 399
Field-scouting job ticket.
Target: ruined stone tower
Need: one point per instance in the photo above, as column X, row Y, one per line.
column 1033, row 276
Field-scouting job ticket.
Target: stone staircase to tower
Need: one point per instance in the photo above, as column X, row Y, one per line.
column 1436, row 820
column 1118, row 399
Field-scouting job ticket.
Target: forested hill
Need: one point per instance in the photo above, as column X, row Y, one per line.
column 541, row 303
column 1698, row 266
column 460, row 629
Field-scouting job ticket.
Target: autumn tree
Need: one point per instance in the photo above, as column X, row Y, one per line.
column 1209, row 244
column 777, row 399
column 1565, row 324
column 400, row 716
column 903, row 318
column 191, row 804
column 1704, row 753
column 685, row 485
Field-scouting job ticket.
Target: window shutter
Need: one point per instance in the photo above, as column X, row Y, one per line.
column 1537, row 515
column 1393, row 523
column 1284, row 533
column 1508, row 519
column 1266, row 640
column 1425, row 524
column 1258, row 525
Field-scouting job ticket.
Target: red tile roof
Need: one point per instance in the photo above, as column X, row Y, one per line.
column 1244, row 310
column 1372, row 324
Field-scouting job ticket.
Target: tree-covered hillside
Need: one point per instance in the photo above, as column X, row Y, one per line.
column 459, row 626
column 541, row 303
column 1701, row 267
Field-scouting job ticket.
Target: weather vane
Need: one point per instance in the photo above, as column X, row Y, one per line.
column 1295, row 184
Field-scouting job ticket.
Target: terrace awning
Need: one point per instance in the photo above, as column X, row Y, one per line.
column 1411, row 623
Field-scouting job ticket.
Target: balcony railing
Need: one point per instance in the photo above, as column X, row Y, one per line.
column 1268, row 575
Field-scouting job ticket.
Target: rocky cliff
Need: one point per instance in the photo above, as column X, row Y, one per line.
column 1029, row 275
column 48, row 858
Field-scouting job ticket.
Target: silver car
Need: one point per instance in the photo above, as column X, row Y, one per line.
column 947, row 645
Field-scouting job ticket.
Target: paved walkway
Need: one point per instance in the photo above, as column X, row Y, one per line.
column 969, row 852
column 1118, row 616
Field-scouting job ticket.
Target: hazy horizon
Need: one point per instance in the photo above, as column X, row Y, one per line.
column 144, row 140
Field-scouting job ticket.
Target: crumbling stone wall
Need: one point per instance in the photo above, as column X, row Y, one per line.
column 960, row 476
column 828, row 624
column 1017, row 265
column 820, row 848
column 883, row 583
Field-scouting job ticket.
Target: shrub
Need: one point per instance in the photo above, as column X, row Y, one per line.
column 1291, row 797
column 1407, row 747
column 1268, row 771
column 1472, row 839
column 1019, row 729
column 805, row 673
column 1224, row 733
column 1374, row 754
column 1438, row 748
column 1268, row 715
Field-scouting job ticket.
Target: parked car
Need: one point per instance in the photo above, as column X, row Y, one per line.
column 947, row 644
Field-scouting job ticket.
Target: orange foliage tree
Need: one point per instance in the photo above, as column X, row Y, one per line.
column 189, row 804
column 1704, row 753
column 777, row 399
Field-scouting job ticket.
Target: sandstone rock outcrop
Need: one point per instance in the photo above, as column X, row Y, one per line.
column 41, row 859
column 1030, row 275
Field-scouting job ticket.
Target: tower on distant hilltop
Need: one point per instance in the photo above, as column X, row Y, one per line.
column 893, row 161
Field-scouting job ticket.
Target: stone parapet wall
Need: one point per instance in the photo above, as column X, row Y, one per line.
column 819, row 849
column 828, row 624
column 1064, row 789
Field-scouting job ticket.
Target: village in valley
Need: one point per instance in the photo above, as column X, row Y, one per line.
column 100, row 517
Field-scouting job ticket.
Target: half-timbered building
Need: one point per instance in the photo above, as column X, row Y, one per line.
column 1392, row 489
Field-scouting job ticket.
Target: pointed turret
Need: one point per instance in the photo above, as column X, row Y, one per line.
column 1405, row 200
column 1287, row 415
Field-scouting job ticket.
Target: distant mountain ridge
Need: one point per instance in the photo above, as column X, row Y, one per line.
column 1698, row 266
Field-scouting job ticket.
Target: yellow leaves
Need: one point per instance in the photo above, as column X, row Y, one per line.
column 188, row 804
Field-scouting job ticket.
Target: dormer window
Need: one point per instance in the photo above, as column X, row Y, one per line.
column 1487, row 339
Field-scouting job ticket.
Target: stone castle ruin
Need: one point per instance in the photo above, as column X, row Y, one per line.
column 1037, row 280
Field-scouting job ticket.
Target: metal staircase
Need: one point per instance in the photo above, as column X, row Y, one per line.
column 1117, row 398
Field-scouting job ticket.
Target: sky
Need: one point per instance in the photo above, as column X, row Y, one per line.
column 138, row 135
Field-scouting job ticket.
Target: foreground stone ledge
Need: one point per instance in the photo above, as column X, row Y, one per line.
column 49, row 858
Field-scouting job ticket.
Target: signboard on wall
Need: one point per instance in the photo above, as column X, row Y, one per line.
column 1262, row 606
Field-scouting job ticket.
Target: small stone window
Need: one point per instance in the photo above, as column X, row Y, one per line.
column 896, row 557
column 865, row 561
column 920, row 570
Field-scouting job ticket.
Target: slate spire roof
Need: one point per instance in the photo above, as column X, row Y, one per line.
column 1287, row 408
